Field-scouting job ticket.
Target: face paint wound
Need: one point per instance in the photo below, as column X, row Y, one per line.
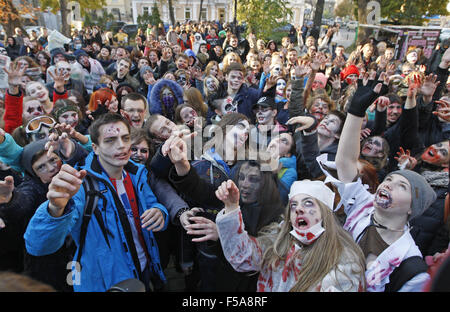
column 383, row 199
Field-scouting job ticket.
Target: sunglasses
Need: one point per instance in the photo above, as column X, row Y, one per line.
column 35, row 125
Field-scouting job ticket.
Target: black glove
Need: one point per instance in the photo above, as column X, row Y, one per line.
column 365, row 96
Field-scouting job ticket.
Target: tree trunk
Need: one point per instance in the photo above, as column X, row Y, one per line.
column 171, row 13
column 315, row 32
column 362, row 19
column 65, row 27
column 200, row 11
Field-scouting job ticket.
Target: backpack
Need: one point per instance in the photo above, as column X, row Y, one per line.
column 92, row 195
column 404, row 272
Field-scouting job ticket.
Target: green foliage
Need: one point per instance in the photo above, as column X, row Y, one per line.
column 407, row 12
column 154, row 18
column 263, row 16
column 345, row 8
column 54, row 6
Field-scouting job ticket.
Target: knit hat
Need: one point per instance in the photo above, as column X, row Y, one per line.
column 59, row 110
column 422, row 194
column 222, row 32
column 316, row 189
column 28, row 153
column 144, row 69
column 349, row 70
column 322, row 78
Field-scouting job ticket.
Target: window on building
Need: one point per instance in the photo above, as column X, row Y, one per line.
column 145, row 10
column 187, row 13
column 203, row 14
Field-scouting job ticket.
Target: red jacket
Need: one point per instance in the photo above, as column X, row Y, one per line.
column 14, row 109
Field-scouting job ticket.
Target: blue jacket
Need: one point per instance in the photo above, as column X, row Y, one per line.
column 287, row 176
column 101, row 266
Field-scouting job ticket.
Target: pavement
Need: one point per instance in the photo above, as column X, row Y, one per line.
column 175, row 280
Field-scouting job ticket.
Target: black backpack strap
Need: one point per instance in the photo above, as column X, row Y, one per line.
column 92, row 195
column 404, row 272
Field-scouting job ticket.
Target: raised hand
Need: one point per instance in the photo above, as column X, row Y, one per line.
column 405, row 160
column 302, row 69
column 429, row 85
column 6, row 189
column 61, row 143
column 64, row 185
column 15, row 74
column 335, row 82
column 443, row 110
column 365, row 133
column 318, row 60
column 59, row 80
column 414, row 86
column 229, row 194
column 202, row 226
column 305, row 122
column 382, row 103
column 152, row 220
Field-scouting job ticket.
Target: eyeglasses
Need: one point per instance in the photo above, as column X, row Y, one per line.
column 35, row 125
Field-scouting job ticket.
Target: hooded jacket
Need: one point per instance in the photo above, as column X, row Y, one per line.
column 156, row 104
column 102, row 265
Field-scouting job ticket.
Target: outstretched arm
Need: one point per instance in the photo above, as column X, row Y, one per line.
column 349, row 144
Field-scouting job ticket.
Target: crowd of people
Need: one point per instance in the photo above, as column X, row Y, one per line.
column 253, row 165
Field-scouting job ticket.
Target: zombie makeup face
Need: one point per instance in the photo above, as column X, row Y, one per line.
column 437, row 154
column 123, row 68
column 64, row 69
column 182, row 80
column 304, row 212
column 214, row 71
column 142, row 62
column 70, row 118
column 281, row 145
column 114, row 145
column 104, row 52
column 412, row 57
column 153, row 57
column 140, row 152
column 249, row 183
column 288, row 91
column 238, row 134
column 276, row 70
column 373, row 147
column 38, row 91
column 319, row 109
column 162, row 128
column 135, row 112
column 211, row 85
column 182, row 63
column 389, row 54
column 329, row 126
column 188, row 116
column 46, row 167
column 281, row 87
column 84, row 60
column 113, row 104
column 235, row 80
column 265, row 115
column 32, row 109
column 393, row 195
column 394, row 110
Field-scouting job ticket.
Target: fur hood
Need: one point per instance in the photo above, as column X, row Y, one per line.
column 155, row 95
